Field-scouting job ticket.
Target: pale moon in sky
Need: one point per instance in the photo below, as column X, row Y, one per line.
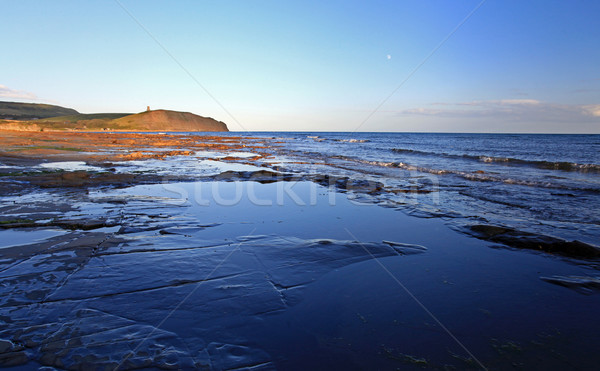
column 389, row 57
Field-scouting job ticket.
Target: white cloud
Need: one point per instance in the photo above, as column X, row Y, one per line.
column 527, row 102
column 6, row 92
column 592, row 109
column 516, row 109
column 501, row 102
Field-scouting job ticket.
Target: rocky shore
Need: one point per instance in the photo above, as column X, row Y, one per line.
column 126, row 251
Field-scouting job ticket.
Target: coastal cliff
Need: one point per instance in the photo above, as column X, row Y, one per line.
column 32, row 111
column 165, row 120
column 35, row 117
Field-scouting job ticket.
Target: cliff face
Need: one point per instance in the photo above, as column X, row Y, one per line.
column 164, row 120
column 18, row 125
column 158, row 120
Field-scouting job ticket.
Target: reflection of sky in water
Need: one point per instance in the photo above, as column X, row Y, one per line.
column 229, row 166
column 182, row 165
column 70, row 166
column 213, row 154
column 11, row 237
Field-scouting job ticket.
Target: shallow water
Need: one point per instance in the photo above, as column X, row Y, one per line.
column 11, row 238
column 69, row 166
column 537, row 183
column 287, row 275
column 541, row 184
column 217, row 155
column 263, row 273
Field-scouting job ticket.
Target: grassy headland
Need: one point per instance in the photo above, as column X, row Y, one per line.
column 38, row 117
column 31, row 111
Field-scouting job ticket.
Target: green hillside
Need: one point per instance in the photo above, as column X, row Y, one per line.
column 165, row 120
column 86, row 116
column 36, row 117
column 32, row 111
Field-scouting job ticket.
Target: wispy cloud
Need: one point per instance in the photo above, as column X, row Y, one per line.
column 592, row 109
column 501, row 102
column 518, row 92
column 521, row 109
column 584, row 90
column 6, row 92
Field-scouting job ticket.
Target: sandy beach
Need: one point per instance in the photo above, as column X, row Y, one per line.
column 111, row 259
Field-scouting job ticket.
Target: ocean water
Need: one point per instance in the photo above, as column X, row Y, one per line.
column 544, row 184
column 305, row 285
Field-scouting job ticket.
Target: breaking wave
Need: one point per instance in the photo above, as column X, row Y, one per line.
column 547, row 165
column 471, row 176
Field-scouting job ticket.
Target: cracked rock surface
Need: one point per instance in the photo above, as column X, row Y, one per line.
column 148, row 287
column 178, row 276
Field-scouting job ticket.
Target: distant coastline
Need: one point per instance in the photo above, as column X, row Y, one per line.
column 42, row 117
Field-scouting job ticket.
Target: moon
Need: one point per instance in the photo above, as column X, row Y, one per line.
column 389, row 57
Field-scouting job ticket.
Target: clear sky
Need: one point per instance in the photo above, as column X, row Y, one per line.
column 511, row 66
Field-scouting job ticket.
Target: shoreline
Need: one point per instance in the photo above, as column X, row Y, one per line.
column 243, row 266
column 100, row 153
column 50, row 145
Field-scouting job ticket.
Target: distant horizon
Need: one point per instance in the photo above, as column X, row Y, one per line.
column 327, row 131
column 387, row 66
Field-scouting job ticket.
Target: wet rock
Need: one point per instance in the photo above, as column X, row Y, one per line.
column 187, row 231
column 525, row 240
column 411, row 190
column 17, row 223
column 231, row 356
column 6, row 346
column 12, row 359
column 11, row 187
column 361, row 185
column 346, row 184
column 93, row 339
column 406, row 248
column 82, row 179
column 94, row 306
column 72, row 224
column 583, row 285
column 135, row 229
column 66, row 179
column 260, row 176
column 82, row 224
column 327, row 180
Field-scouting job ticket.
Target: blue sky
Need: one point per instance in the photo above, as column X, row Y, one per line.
column 512, row 66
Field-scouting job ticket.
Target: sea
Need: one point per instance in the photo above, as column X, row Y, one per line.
column 540, row 184
column 165, row 279
column 536, row 183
